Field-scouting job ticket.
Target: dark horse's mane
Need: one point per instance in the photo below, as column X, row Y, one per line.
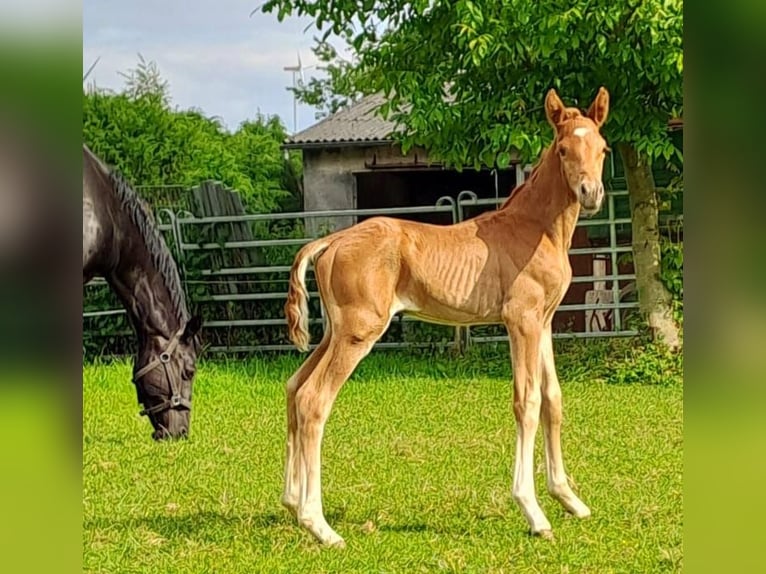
column 141, row 216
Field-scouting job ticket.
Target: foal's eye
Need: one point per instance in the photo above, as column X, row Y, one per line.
column 562, row 151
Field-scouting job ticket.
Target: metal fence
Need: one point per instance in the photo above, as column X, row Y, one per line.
column 241, row 285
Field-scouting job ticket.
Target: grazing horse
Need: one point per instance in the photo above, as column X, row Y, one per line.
column 509, row 266
column 122, row 244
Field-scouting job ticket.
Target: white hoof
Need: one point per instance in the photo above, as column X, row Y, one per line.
column 576, row 507
column 322, row 531
column 581, row 511
column 337, row 543
column 570, row 502
column 546, row 534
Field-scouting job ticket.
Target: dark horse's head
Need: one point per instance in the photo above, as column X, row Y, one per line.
column 164, row 376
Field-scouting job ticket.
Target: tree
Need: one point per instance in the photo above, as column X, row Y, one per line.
column 145, row 80
column 466, row 79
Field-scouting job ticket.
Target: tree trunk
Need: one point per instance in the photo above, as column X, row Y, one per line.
column 653, row 298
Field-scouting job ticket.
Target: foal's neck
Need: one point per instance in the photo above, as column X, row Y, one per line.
column 547, row 200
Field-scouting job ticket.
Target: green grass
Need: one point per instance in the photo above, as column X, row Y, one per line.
column 417, row 464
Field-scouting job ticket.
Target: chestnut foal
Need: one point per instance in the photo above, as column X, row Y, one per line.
column 506, row 266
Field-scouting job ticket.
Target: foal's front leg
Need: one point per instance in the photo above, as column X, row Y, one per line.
column 525, row 329
column 558, row 485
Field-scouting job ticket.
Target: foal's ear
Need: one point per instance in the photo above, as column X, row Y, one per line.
column 554, row 108
column 193, row 327
column 599, row 109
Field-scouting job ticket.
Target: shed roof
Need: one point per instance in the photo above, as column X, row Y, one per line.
column 355, row 125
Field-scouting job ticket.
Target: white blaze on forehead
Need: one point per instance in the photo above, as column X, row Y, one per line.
column 580, row 132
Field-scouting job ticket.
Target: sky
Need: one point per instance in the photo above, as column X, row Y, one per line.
column 214, row 55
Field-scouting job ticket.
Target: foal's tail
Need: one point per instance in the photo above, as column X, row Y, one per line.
column 297, row 305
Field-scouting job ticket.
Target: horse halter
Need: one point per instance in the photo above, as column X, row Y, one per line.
column 176, row 401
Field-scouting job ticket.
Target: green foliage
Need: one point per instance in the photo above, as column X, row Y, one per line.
column 647, row 364
column 672, row 273
column 153, row 144
column 466, row 79
column 417, row 464
column 671, row 239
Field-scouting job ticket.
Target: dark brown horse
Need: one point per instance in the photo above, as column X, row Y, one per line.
column 122, row 244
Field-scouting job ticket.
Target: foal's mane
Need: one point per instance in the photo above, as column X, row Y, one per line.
column 141, row 216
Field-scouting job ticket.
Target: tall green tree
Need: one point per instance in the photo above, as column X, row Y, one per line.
column 466, row 79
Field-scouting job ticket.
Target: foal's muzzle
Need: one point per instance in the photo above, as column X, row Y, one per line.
column 591, row 196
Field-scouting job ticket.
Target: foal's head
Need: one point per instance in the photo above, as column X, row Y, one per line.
column 580, row 147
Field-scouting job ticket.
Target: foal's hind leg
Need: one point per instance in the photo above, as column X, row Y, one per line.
column 291, row 494
column 314, row 402
column 558, row 486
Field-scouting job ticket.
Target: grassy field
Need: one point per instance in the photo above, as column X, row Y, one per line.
column 418, row 456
